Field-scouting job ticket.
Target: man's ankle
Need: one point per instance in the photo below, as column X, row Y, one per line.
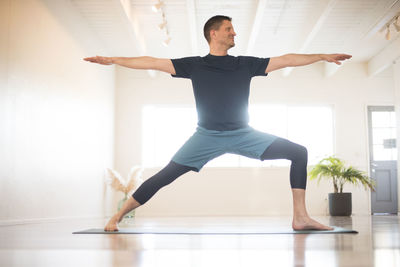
column 117, row 217
column 300, row 214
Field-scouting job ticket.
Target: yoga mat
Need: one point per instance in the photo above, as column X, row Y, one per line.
column 214, row 231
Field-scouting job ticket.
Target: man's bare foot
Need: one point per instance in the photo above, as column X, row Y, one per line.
column 306, row 223
column 112, row 224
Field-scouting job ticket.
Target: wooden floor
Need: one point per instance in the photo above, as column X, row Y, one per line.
column 53, row 244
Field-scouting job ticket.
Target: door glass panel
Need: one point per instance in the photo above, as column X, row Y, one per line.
column 380, row 153
column 381, row 119
column 383, row 132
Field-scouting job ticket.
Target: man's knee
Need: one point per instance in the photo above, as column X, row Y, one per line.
column 304, row 151
column 301, row 153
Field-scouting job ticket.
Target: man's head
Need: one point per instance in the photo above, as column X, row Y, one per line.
column 219, row 30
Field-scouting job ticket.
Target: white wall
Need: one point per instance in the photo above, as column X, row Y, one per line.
column 56, row 114
column 253, row 191
column 396, row 76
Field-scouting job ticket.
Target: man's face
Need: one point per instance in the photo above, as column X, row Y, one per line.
column 225, row 35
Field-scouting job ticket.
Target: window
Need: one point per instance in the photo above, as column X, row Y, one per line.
column 166, row 129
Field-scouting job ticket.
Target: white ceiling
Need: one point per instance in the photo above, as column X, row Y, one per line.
column 264, row 28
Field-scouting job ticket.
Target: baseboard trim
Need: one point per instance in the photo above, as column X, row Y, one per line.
column 47, row 220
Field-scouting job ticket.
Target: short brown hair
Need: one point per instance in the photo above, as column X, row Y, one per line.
column 213, row 24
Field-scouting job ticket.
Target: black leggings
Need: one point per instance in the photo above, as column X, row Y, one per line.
column 279, row 149
column 162, row 178
column 284, row 149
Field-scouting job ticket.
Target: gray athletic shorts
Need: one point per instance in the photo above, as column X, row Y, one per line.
column 205, row 145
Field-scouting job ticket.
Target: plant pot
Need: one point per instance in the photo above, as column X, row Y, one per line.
column 340, row 204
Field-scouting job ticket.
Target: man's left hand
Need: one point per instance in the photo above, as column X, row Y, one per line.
column 335, row 57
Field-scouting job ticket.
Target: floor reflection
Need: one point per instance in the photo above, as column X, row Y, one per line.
column 213, row 250
column 52, row 244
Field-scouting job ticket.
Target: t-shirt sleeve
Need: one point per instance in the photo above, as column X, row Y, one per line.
column 257, row 66
column 183, row 67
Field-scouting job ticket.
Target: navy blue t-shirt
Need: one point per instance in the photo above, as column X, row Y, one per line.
column 221, row 86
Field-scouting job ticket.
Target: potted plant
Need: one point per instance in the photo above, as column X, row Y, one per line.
column 335, row 169
column 127, row 186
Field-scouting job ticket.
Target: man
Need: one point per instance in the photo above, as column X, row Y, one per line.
column 221, row 87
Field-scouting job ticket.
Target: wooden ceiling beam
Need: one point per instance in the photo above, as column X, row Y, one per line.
column 385, row 58
column 256, row 25
column 314, row 29
column 134, row 30
column 191, row 13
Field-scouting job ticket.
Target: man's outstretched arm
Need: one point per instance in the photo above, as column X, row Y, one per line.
column 147, row 63
column 295, row 60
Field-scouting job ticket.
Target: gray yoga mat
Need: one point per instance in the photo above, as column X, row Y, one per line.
column 214, row 231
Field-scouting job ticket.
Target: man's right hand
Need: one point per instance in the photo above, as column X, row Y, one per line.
column 146, row 63
column 100, row 60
